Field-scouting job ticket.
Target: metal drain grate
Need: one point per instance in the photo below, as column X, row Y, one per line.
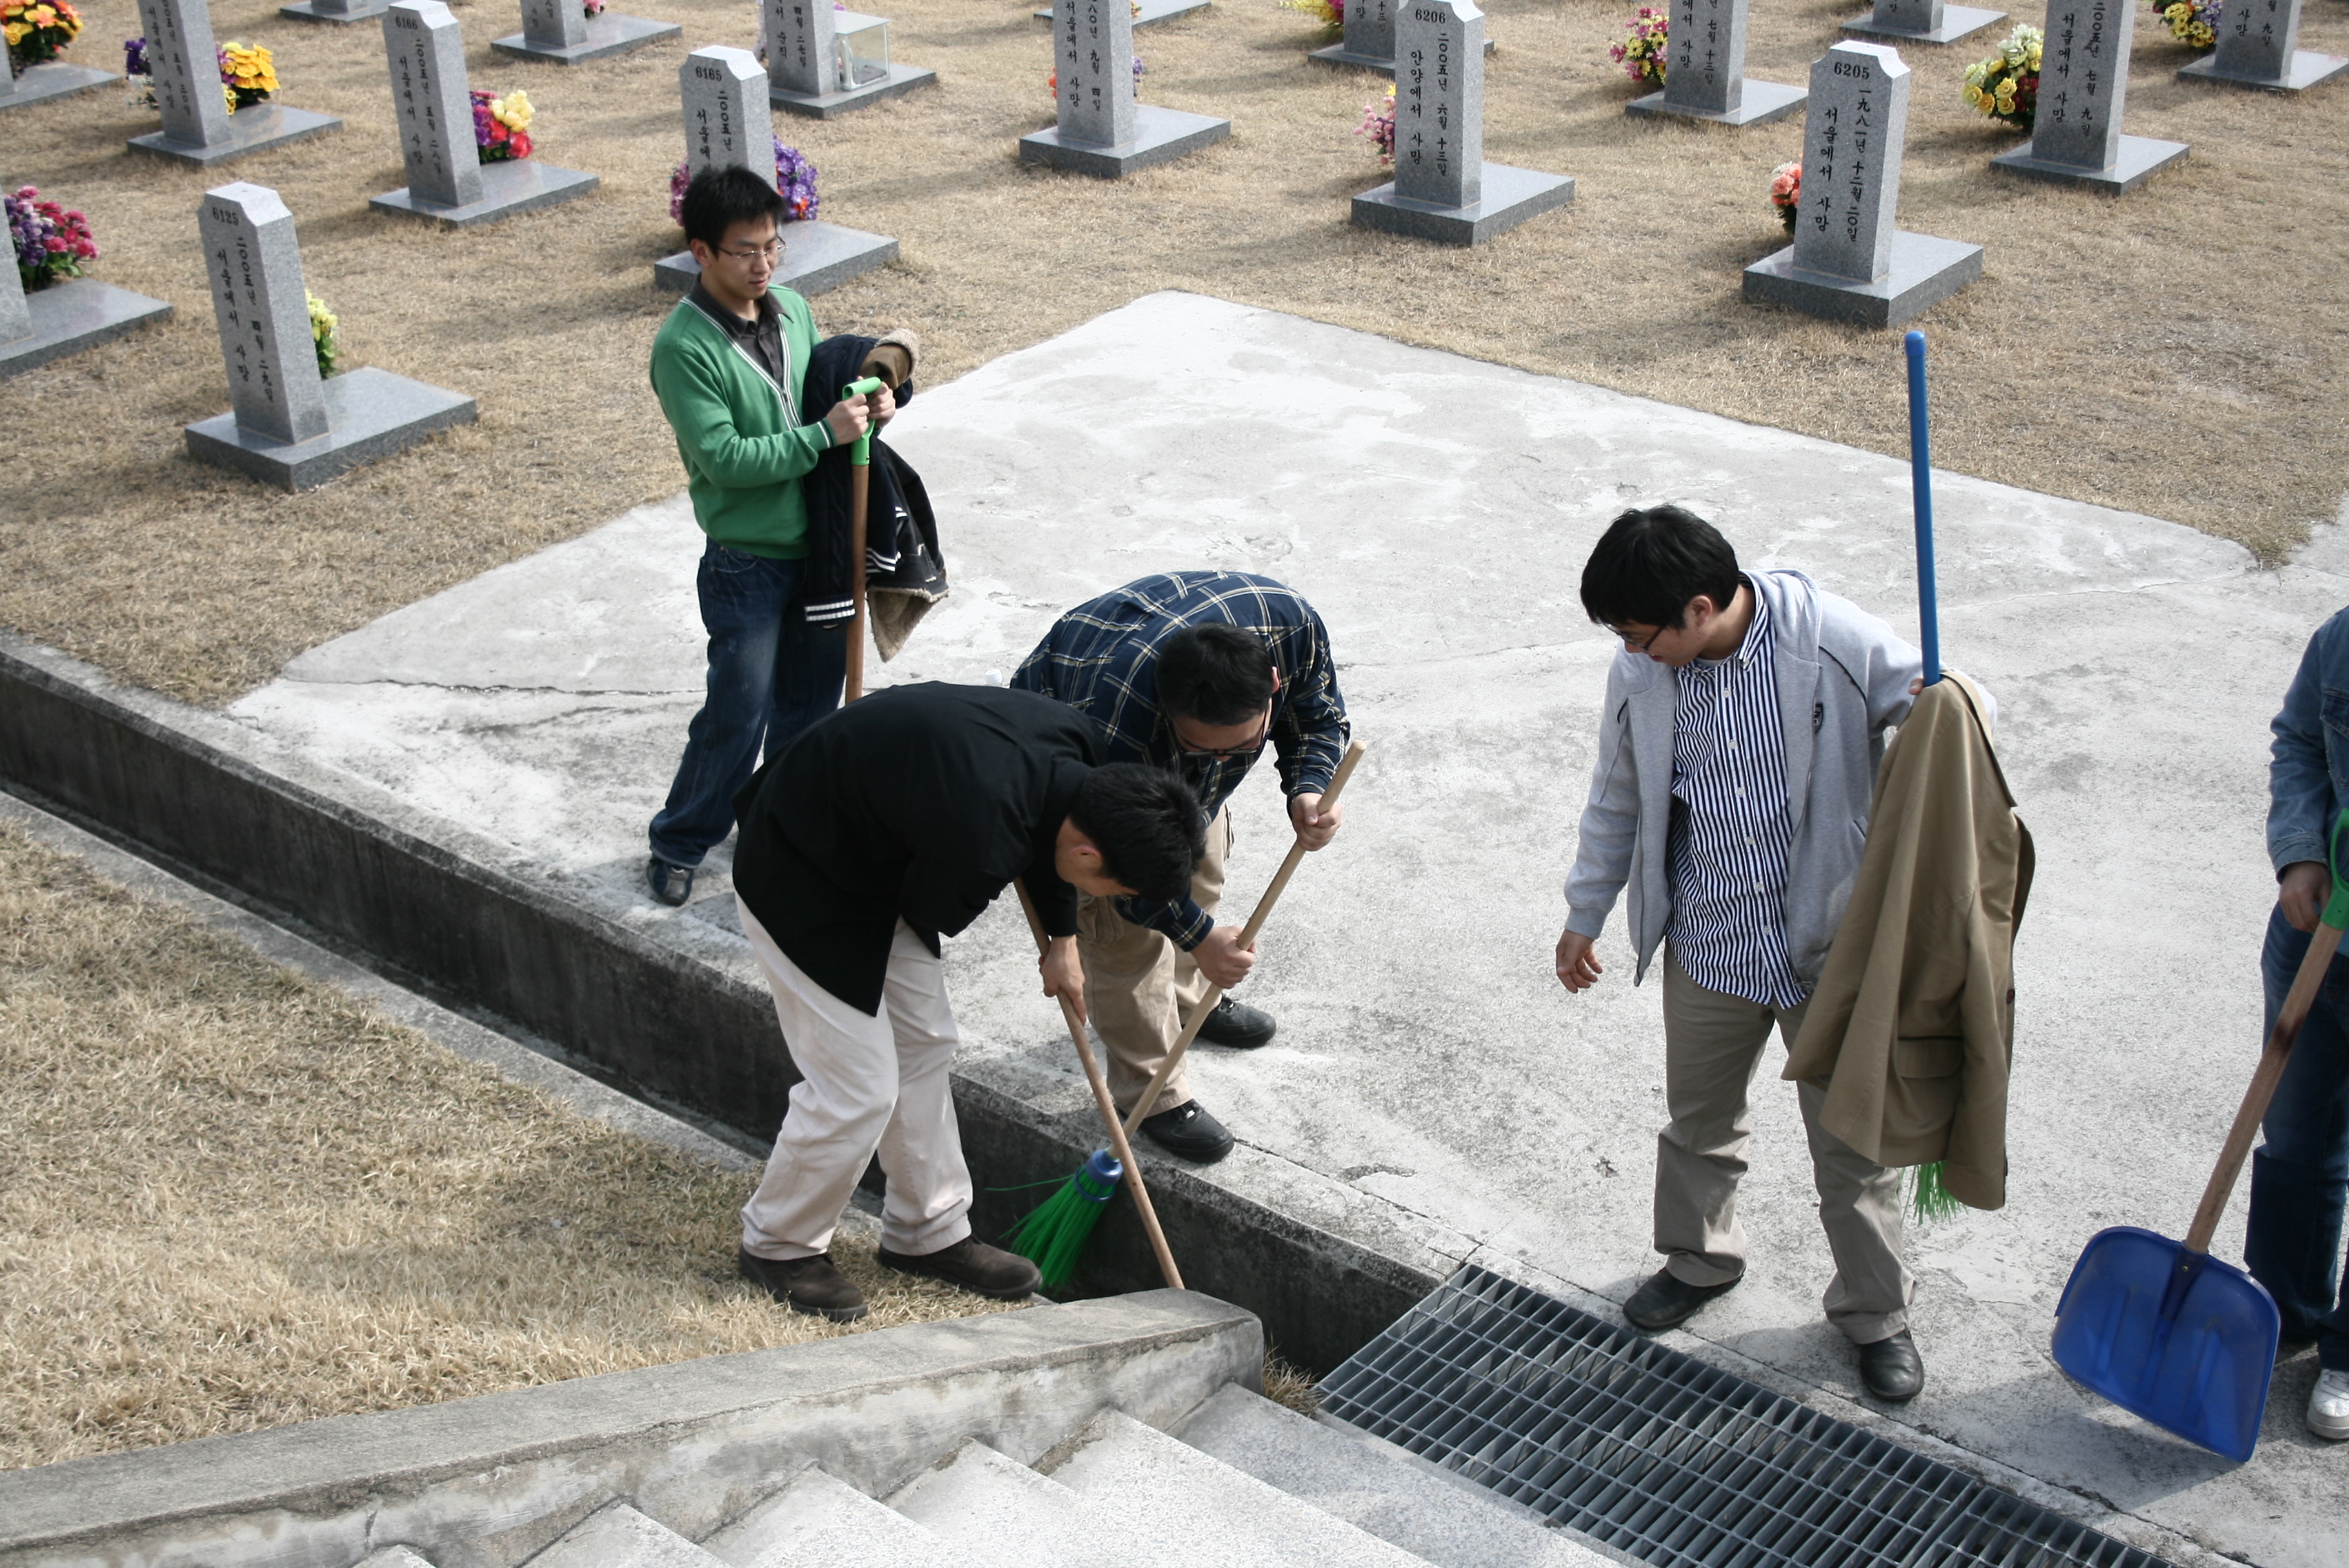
column 1677, row 1463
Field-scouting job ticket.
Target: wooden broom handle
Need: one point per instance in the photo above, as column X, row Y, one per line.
column 860, row 490
column 1248, row 938
column 1118, row 1144
column 2254, row 1109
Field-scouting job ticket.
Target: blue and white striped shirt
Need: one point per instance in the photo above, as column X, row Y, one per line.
column 1729, row 830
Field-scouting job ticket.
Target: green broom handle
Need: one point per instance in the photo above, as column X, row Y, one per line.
column 2322, row 945
column 860, row 482
column 1247, row 939
column 1108, row 1108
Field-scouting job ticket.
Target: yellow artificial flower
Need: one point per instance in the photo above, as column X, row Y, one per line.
column 513, row 111
column 16, row 32
column 44, row 15
column 1973, row 95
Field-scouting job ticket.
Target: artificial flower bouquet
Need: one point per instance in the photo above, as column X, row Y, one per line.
column 248, row 73
column 2194, row 23
column 325, row 334
column 2006, row 86
column 1787, row 193
column 37, row 29
column 1378, row 124
column 1641, row 52
column 51, row 242
column 502, row 126
column 794, row 182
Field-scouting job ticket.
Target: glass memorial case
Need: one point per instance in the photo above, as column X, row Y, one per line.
column 860, row 47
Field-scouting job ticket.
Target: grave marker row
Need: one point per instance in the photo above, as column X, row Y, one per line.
column 1367, row 38
column 182, row 56
column 1704, row 70
column 822, row 62
column 2075, row 137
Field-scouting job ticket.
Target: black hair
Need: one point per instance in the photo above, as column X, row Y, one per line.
column 1649, row 563
column 721, row 196
column 1146, row 824
column 1216, row 673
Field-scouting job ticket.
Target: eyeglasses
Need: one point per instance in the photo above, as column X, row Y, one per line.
column 1636, row 645
column 772, row 250
column 1224, row 753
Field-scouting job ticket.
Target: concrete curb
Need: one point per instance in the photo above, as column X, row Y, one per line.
column 669, row 1026
column 487, row 1482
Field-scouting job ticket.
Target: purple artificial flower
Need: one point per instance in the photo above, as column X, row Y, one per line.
column 795, row 181
column 134, row 57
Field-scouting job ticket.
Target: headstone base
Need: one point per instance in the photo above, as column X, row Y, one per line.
column 1761, row 103
column 1925, row 272
column 370, row 414
column 817, row 256
column 515, row 185
column 2141, row 158
column 360, row 11
column 1160, row 136
column 38, row 84
column 1957, row 21
column 71, row 316
column 1510, row 197
column 900, row 80
column 265, row 125
column 607, row 35
column 1152, row 11
column 2307, row 70
column 1339, row 55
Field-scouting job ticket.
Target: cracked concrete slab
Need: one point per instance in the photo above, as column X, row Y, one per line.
column 1433, row 1092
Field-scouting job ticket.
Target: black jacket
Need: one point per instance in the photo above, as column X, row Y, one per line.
column 919, row 803
column 901, row 543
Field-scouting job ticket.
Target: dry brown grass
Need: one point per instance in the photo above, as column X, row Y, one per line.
column 230, row 1198
column 2178, row 351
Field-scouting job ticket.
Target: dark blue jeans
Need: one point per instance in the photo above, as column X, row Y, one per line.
column 2300, row 1175
column 771, row 675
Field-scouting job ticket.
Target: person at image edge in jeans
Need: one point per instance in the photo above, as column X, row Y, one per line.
column 2300, row 1172
column 1744, row 719
column 728, row 367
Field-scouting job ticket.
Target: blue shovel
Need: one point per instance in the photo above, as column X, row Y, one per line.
column 2166, row 1331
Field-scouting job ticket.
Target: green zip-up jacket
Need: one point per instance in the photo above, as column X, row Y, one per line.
column 740, row 436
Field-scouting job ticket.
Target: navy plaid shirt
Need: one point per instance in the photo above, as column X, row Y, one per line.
column 1101, row 658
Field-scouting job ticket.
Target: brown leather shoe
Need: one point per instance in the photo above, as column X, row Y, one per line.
column 806, row 1285
column 974, row 1265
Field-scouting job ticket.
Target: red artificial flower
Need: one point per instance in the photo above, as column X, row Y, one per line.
column 522, row 144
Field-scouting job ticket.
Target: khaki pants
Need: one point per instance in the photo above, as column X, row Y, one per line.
column 867, row 1084
column 1139, row 985
column 1712, row 1042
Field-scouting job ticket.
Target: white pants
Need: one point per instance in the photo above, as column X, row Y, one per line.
column 867, row 1083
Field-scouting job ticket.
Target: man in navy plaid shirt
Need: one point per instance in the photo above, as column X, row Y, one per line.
column 1192, row 672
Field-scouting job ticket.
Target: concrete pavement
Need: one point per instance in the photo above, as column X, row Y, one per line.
column 1437, row 511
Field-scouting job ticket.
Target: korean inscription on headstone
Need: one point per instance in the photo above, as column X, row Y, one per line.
column 427, row 52
column 2256, row 39
column 1440, row 102
column 555, row 24
column 1095, row 66
column 264, row 320
column 15, row 315
column 1369, row 29
column 1858, row 120
column 185, row 66
column 1704, row 60
column 798, row 45
column 2083, row 81
column 726, row 114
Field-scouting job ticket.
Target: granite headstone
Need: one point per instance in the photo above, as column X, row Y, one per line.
column 1922, row 21
column 15, row 315
column 65, row 317
column 2075, row 137
column 184, row 60
column 426, row 50
column 1704, row 70
column 1098, row 127
column 561, row 33
column 2258, row 47
column 51, row 78
column 555, row 24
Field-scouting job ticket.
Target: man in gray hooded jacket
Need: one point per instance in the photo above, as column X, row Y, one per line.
column 1743, row 723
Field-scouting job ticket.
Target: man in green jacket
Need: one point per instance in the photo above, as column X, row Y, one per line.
column 728, row 367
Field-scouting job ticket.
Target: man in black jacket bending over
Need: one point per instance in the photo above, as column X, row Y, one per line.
column 883, row 827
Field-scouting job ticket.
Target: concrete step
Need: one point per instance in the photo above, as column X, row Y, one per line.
column 1166, row 1502
column 996, row 1512
column 394, row 1557
column 1378, row 1488
column 819, row 1520
column 620, row 1537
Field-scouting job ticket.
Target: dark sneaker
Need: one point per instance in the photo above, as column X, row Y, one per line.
column 973, row 1264
column 672, row 884
column 1188, row 1132
column 806, row 1285
column 1236, row 1024
column 1891, row 1369
column 1667, row 1301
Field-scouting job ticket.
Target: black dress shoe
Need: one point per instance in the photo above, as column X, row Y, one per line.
column 1236, row 1024
column 672, row 884
column 1667, row 1301
column 1891, row 1369
column 812, row 1285
column 1188, row 1132
column 974, row 1265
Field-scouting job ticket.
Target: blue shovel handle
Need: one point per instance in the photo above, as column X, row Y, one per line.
column 1920, row 482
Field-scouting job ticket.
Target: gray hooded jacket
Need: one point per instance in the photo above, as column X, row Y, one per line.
column 1843, row 679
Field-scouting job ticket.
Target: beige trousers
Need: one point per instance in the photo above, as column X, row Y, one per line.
column 1712, row 1042
column 1139, row 985
column 867, row 1084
